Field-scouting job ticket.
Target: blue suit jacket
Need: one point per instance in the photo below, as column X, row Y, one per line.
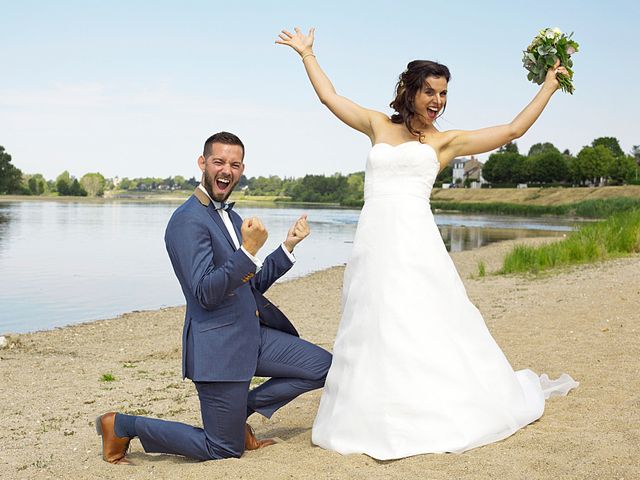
column 225, row 305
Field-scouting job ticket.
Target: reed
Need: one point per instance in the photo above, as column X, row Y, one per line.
column 616, row 236
column 604, row 208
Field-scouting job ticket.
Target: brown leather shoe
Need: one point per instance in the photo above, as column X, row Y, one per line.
column 114, row 448
column 251, row 442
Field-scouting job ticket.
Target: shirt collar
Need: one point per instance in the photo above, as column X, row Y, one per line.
column 217, row 205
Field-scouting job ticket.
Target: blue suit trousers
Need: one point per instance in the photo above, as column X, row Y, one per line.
column 295, row 367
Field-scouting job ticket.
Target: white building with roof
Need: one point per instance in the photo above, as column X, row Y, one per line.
column 468, row 168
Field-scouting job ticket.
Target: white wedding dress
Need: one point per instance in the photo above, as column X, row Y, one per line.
column 415, row 369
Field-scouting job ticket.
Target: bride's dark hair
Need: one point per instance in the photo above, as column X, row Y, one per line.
column 409, row 82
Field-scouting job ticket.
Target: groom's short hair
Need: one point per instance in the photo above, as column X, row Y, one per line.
column 221, row 137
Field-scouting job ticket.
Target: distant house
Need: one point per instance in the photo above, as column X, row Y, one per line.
column 468, row 168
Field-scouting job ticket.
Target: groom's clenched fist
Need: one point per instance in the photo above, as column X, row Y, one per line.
column 298, row 232
column 254, row 234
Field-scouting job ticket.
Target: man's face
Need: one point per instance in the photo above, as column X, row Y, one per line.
column 222, row 170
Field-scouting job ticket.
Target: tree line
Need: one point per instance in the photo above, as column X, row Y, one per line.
column 13, row 181
column 603, row 162
column 337, row 188
column 347, row 190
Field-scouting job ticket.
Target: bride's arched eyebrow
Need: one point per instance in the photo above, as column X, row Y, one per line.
column 427, row 87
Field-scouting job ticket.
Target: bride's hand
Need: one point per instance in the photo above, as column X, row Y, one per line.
column 300, row 42
column 552, row 75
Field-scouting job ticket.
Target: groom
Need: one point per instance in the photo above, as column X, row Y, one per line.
column 231, row 331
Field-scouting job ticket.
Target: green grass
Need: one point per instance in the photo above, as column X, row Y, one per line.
column 107, row 377
column 617, row 236
column 239, row 197
column 605, row 208
column 501, row 208
column 482, row 269
column 257, row 381
column 585, row 209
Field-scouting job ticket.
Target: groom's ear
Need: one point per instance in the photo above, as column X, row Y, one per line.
column 201, row 163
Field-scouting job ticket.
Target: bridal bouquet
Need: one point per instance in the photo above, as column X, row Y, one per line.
column 547, row 47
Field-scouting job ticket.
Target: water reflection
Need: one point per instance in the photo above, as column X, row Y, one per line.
column 5, row 216
column 458, row 238
column 506, row 222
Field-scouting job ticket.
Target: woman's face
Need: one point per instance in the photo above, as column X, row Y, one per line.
column 431, row 98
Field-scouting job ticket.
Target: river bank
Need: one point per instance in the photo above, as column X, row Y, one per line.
column 524, row 196
column 167, row 197
column 534, row 196
column 583, row 320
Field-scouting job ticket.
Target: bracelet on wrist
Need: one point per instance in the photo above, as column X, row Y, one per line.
column 308, row 55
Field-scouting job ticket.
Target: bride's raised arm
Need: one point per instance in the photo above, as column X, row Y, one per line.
column 349, row 112
column 471, row 142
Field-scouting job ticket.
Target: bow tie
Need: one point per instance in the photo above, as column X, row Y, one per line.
column 225, row 206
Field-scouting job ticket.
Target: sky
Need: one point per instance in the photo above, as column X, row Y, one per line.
column 134, row 88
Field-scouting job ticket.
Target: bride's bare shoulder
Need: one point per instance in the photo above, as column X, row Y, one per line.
column 379, row 119
column 388, row 131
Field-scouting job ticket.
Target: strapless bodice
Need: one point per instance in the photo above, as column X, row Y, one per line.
column 409, row 168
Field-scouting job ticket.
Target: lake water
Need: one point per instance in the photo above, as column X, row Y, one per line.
column 69, row 262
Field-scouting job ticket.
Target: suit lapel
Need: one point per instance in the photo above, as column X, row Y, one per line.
column 215, row 216
column 218, row 220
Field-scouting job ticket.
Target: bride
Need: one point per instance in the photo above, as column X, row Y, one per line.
column 415, row 369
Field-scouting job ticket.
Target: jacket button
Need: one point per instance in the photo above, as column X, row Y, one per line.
column 257, row 313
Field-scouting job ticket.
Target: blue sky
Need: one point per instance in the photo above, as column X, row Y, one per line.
column 133, row 88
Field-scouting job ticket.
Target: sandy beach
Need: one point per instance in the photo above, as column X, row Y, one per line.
column 583, row 320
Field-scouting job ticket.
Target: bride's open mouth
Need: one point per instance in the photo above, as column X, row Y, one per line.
column 432, row 113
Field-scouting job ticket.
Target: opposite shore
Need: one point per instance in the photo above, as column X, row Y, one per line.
column 547, row 196
column 580, row 320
